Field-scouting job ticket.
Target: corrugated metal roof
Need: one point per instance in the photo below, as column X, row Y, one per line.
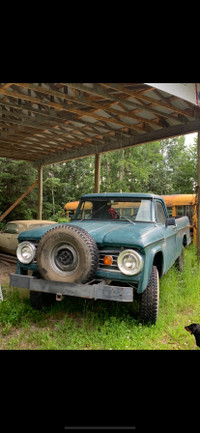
column 52, row 122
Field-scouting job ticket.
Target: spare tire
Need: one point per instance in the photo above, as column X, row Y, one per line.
column 67, row 253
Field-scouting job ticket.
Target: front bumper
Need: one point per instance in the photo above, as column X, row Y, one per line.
column 89, row 291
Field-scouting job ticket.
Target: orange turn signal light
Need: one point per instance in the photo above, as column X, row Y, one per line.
column 108, row 260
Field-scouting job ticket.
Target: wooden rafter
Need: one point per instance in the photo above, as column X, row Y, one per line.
column 159, row 102
column 44, row 122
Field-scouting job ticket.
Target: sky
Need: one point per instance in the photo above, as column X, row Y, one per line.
column 189, row 138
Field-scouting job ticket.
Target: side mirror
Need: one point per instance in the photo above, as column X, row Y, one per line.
column 170, row 222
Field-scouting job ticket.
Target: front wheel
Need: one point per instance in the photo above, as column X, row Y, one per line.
column 149, row 299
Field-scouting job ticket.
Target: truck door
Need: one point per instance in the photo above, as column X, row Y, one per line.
column 169, row 235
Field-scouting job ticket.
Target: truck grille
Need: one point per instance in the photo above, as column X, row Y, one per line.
column 113, row 267
column 102, row 254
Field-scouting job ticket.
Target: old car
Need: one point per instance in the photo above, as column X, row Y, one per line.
column 116, row 248
column 11, row 231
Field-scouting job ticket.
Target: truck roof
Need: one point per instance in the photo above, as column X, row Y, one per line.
column 120, row 194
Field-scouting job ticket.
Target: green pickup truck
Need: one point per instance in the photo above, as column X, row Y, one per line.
column 116, row 248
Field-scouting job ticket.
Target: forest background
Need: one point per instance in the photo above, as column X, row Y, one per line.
column 163, row 167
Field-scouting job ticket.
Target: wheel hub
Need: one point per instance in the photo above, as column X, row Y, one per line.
column 64, row 258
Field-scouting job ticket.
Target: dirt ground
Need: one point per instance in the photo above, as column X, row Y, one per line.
column 5, row 270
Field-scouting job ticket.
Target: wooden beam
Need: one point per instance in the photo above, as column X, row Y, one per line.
column 70, row 109
column 5, row 86
column 18, row 201
column 161, row 102
column 97, row 172
column 49, row 122
column 108, row 107
column 52, row 126
column 40, row 192
column 97, row 90
column 122, row 142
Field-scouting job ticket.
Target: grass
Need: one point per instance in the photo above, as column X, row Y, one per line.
column 87, row 325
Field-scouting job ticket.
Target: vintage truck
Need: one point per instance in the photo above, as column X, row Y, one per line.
column 116, row 248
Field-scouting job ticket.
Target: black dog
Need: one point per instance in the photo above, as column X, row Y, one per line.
column 194, row 329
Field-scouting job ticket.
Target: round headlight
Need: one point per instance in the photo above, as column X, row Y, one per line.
column 26, row 252
column 130, row 262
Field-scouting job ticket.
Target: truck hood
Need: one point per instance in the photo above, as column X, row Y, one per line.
column 107, row 233
column 123, row 233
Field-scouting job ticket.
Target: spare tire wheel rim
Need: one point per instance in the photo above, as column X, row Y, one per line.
column 67, row 254
column 64, row 258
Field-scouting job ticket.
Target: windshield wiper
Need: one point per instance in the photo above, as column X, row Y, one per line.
column 96, row 211
column 127, row 219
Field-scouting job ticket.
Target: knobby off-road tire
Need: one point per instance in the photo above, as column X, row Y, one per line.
column 149, row 301
column 68, row 254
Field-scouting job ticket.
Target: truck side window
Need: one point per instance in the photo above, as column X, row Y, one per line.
column 160, row 213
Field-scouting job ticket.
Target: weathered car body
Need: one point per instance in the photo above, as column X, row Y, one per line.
column 129, row 239
column 11, row 231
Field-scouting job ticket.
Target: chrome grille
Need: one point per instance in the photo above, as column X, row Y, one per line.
column 113, row 267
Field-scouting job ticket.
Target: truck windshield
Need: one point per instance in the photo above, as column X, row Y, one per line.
column 134, row 210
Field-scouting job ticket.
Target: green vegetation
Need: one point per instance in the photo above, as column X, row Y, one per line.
column 136, row 169
column 84, row 325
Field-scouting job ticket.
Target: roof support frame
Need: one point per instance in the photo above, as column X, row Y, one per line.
column 54, row 121
column 122, row 142
column 47, row 123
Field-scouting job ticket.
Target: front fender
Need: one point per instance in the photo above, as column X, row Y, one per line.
column 150, row 253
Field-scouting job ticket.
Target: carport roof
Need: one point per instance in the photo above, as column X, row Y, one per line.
column 53, row 122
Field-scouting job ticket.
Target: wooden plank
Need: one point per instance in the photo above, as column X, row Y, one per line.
column 5, row 86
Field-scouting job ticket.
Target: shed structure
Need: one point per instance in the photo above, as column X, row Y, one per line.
column 46, row 123
column 52, row 122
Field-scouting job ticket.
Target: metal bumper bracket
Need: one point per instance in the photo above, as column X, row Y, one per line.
column 90, row 291
column 59, row 297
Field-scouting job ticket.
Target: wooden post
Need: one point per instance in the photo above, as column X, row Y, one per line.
column 40, row 192
column 198, row 196
column 97, row 172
